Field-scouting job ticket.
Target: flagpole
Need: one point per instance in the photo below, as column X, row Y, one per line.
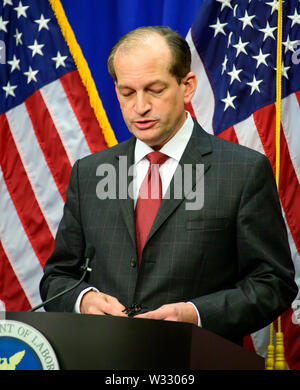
column 278, row 89
column 84, row 72
column 278, row 353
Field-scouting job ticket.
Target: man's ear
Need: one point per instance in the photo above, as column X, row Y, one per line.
column 116, row 89
column 190, row 84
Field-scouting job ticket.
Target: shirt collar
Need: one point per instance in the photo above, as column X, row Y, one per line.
column 174, row 148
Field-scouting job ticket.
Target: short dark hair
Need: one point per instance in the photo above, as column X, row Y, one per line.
column 181, row 55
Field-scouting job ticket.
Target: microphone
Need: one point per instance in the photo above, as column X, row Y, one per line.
column 89, row 254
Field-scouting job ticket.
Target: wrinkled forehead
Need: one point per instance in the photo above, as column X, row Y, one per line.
column 151, row 55
column 138, row 71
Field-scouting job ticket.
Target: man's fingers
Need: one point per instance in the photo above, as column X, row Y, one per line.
column 159, row 314
column 181, row 311
column 99, row 303
column 113, row 307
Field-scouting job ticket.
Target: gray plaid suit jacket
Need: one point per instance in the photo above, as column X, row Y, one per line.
column 231, row 258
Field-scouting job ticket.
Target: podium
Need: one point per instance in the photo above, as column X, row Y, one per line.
column 90, row 342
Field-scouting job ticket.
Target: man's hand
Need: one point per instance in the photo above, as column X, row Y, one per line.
column 98, row 303
column 182, row 311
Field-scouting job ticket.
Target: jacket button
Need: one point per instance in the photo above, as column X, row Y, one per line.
column 133, row 262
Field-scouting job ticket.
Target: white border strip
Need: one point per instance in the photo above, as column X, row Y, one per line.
column 37, row 170
column 290, row 120
column 65, row 121
column 203, row 101
column 17, row 247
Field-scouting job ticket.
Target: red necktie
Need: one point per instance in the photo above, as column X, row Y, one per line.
column 149, row 199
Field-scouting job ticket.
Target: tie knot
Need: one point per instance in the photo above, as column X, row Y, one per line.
column 157, row 157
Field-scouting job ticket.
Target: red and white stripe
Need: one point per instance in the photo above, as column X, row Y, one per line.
column 258, row 132
column 40, row 140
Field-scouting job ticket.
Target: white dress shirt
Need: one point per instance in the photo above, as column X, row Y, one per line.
column 174, row 148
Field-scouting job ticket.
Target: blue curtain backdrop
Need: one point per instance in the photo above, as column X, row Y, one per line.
column 98, row 24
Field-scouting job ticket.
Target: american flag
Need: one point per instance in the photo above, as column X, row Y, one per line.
column 233, row 45
column 46, row 124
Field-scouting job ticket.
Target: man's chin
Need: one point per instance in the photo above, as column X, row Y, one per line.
column 146, row 136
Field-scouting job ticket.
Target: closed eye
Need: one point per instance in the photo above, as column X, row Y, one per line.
column 126, row 92
column 156, row 90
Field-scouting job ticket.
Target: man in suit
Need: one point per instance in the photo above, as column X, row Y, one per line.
column 226, row 265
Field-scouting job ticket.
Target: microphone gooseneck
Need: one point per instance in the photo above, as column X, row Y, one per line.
column 89, row 254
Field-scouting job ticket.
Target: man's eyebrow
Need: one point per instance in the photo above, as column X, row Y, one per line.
column 156, row 82
column 123, row 86
column 151, row 84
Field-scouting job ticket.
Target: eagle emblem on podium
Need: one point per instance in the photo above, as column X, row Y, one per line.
column 12, row 362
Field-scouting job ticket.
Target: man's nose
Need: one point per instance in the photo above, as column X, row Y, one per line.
column 142, row 104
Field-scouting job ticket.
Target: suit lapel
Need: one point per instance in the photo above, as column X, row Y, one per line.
column 198, row 147
column 125, row 159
